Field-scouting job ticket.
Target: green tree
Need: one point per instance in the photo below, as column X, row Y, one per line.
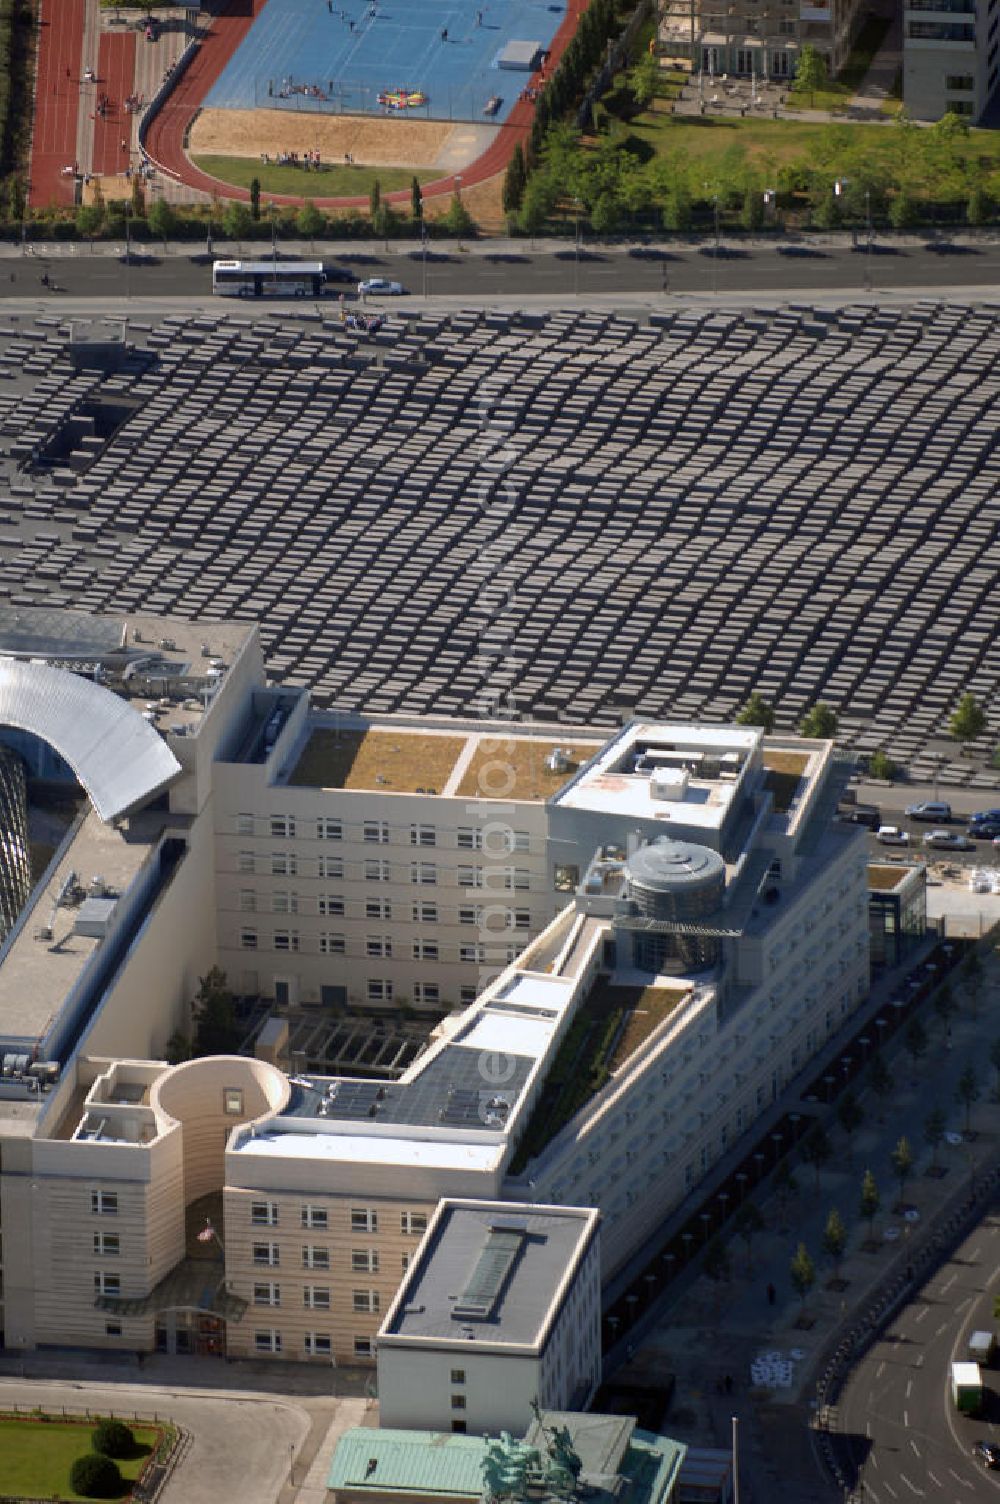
column 881, row 1082
column 826, row 210
column 803, row 1272
column 756, row 712
column 644, row 80
column 967, row 1092
column 820, row 722
column 972, row 975
column 978, row 206
column 904, row 211
column 811, row 72
column 374, row 198
column 944, row 1005
column 237, row 220
column 458, row 220
column 385, row 220
column 255, row 199
column 881, row 765
column 162, row 220
column 934, row 1126
column 902, row 1163
column 89, row 218
column 416, row 199
column 514, row 181
column 309, row 221
column 177, row 1048
column 215, row 1029
column 916, row 1040
column 835, row 1239
column 870, row 1201
column 747, row 1223
column 605, row 216
column 850, row 1115
column 968, row 720
column 138, row 198
column 717, row 1262
column 816, row 1150
column 752, row 212
column 96, row 1477
column 677, row 213
column 112, row 1438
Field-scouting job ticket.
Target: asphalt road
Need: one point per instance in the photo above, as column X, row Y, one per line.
column 898, row 1433
column 892, row 808
column 557, row 276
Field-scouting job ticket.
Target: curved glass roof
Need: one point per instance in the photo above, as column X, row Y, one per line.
column 118, row 757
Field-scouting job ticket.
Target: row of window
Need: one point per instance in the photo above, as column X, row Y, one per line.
column 497, row 918
column 316, row 1297
column 334, row 943
column 363, row 1218
column 363, row 1260
column 316, row 1344
column 498, row 879
column 497, row 838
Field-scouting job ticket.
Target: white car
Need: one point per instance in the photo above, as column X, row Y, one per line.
column 891, row 835
column 380, row 286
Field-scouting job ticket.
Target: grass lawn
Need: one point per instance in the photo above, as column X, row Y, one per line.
column 36, row 1456
column 334, row 181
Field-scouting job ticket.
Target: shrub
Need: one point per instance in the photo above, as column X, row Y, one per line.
column 96, row 1477
column 113, row 1438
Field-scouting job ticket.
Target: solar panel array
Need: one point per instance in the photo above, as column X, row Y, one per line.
column 603, row 515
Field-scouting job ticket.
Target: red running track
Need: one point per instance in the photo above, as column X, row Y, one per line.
column 116, row 72
column 165, row 137
column 57, row 98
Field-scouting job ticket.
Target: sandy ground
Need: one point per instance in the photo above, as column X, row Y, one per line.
column 376, row 143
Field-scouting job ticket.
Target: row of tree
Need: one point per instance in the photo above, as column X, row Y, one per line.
column 966, row 722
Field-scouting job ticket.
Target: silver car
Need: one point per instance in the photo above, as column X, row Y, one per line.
column 948, row 840
column 380, row 286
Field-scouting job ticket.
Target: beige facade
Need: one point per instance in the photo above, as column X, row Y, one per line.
column 757, row 38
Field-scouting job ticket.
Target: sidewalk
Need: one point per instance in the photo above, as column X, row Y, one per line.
column 718, row 1328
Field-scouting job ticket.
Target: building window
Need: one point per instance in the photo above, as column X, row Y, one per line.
column 566, row 877
column 470, row 877
column 365, row 1300
column 425, row 913
column 458, row 1427
column 244, row 825
column 522, row 919
column 285, row 903
column 332, row 945
column 315, row 1258
column 112, row 1329
column 318, row 1345
column 111, row 1284
column 376, row 830
column 470, row 838
column 377, row 871
column 245, row 862
column 248, row 900
column 315, row 1217
column 283, row 825
column 423, row 873
column 232, row 1101
column 413, row 1222
column 468, row 915
column 364, row 1260
column 330, row 866
column 378, row 908
column 466, row 995
column 267, row 1294
column 330, row 905
column 960, row 106
column 379, row 991
column 364, row 1219
column 248, row 939
column 472, row 953
column 263, row 1213
column 283, row 864
column 427, row 992
column 286, row 939
column 329, row 830
column 458, row 1376
column 104, row 1203
column 378, row 945
column 107, row 1243
column 267, row 1342
column 458, row 1402
column 362, row 1347
column 266, row 1253
column 425, row 950
column 316, row 1297
column 960, row 82
column 423, row 835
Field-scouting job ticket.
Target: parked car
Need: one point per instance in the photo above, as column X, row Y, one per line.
column 380, row 286
column 868, row 815
column 891, row 835
column 984, row 830
column 949, row 840
column 987, row 1453
column 929, row 809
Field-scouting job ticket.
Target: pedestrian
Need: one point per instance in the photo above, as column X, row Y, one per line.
column 772, row 1294
column 68, row 74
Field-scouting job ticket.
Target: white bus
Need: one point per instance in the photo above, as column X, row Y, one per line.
column 268, row 279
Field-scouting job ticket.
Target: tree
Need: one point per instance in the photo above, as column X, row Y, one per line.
column 826, row 210
column 605, row 216
column 786, row 1186
column 89, row 218
column 968, row 720
column 96, row 1477
column 835, row 1239
column 803, row 1272
column 902, row 1163
column 880, row 1081
column 816, row 1150
column 944, row 1005
column 967, row 1092
column 677, row 210
column 374, row 198
column 717, row 1263
column 747, row 1223
column 995, row 1062
column 756, row 712
column 215, row 1027
column 255, row 199
column 811, row 72
column 752, row 212
column 916, row 1040
column 850, row 1115
column 644, row 80
column 881, row 765
column 416, row 199
column 934, row 1125
column 978, row 206
column 972, row 975
column 113, row 1438
column 236, row 220
column 819, row 722
column 162, row 220
column 177, row 1048
column 309, row 221
column 903, row 210
column 870, row 1200
column 458, row 220
column 514, row 181
column 138, row 198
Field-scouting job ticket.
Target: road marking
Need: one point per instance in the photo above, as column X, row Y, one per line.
column 911, row 1486
column 919, row 1314
column 891, row 1490
column 959, row 1479
column 880, row 1370
column 920, row 1361
column 936, row 1481
column 943, row 1327
column 948, row 1283
column 909, row 1388
column 996, row 1273
column 906, row 1419
column 913, row 1444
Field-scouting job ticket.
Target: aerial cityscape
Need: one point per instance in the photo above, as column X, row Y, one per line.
column 499, row 751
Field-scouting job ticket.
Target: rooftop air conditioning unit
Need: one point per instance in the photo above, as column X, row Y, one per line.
column 168, row 643
column 558, row 760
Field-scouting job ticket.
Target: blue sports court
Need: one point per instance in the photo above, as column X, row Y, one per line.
column 423, row 59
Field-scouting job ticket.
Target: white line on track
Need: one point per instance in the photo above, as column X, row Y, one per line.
column 916, row 1449
column 948, row 1283
column 906, row 1419
column 889, row 1489
column 920, row 1313
column 943, row 1327
column 909, row 1388
column 934, row 1479
column 911, row 1486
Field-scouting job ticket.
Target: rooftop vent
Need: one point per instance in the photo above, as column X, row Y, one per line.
column 558, row 760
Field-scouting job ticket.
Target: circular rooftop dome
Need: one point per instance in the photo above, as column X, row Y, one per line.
column 667, row 866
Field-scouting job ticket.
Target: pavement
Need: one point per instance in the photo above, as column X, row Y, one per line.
column 877, row 85
column 711, row 1329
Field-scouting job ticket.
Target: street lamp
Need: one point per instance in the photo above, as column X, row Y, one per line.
column 577, row 206
column 423, row 249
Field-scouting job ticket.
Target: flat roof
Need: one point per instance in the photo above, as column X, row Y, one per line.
column 369, row 1148
column 490, row 1272
column 439, row 1463
column 391, row 761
